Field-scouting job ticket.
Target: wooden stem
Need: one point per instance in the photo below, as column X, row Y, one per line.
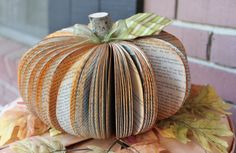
column 100, row 23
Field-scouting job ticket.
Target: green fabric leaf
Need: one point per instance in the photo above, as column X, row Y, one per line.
column 139, row 25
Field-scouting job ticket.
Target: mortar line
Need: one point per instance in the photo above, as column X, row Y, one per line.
column 204, row 27
column 208, row 49
column 176, row 9
column 212, row 65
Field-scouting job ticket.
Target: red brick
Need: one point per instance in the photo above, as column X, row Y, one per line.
column 223, row 80
column 160, row 7
column 223, row 50
column 195, row 41
column 216, row 12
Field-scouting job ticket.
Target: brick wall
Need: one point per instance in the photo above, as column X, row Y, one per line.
column 10, row 53
column 208, row 30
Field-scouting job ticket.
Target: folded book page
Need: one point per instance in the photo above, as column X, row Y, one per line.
column 104, row 90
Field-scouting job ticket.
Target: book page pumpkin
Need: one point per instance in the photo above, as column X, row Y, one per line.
column 117, row 87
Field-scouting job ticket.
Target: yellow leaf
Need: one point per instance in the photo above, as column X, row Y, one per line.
column 181, row 134
column 200, row 116
column 53, row 132
column 168, row 132
column 18, row 123
column 38, row 145
column 203, row 141
column 6, row 134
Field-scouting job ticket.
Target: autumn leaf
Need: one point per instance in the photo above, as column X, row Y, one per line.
column 200, row 119
column 38, row 145
column 54, row 132
column 168, row 132
column 18, row 123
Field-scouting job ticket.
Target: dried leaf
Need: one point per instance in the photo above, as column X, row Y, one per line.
column 54, row 132
column 181, row 133
column 168, row 132
column 38, row 145
column 199, row 117
column 18, row 123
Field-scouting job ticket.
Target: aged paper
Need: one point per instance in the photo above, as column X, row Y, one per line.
column 170, row 72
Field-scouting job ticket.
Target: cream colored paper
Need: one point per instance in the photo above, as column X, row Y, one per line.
column 171, row 71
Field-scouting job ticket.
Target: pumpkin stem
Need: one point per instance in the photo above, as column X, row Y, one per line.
column 100, row 23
